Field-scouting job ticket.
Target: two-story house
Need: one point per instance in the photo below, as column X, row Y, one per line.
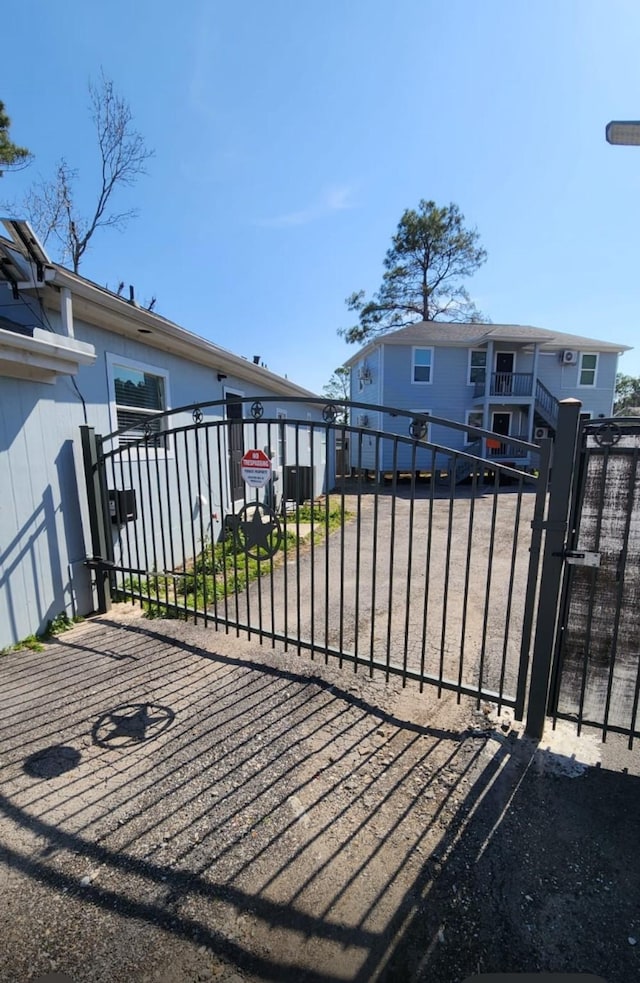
column 506, row 378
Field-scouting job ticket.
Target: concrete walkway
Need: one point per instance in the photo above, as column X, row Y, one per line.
column 179, row 804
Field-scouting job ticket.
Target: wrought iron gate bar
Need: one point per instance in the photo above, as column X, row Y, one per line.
column 510, row 594
column 374, row 560
column 407, row 618
column 467, row 572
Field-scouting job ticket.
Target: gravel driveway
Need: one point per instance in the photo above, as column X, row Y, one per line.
column 178, row 804
column 433, row 585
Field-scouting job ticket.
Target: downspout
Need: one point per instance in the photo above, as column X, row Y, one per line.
column 66, row 312
column 66, row 316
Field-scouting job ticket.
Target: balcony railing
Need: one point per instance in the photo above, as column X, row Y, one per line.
column 506, row 384
column 504, row 448
column 546, row 403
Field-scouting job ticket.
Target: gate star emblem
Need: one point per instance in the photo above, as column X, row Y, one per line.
column 259, row 531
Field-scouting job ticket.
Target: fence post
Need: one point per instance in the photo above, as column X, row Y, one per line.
column 564, row 460
column 98, row 510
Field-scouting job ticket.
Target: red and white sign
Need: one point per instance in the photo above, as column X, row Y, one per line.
column 256, row 468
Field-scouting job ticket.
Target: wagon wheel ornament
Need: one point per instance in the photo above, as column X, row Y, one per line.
column 258, row 531
column 418, row 428
column 608, row 434
column 257, row 410
column 198, row 415
column 329, row 413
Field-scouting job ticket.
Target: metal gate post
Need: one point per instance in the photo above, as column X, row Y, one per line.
column 98, row 512
column 564, row 460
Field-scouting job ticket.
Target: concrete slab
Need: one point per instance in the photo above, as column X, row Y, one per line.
column 180, row 804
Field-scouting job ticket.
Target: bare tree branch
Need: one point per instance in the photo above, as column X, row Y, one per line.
column 51, row 205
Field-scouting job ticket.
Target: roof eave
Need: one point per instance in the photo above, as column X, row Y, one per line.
column 117, row 314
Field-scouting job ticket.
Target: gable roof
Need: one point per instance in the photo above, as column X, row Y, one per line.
column 475, row 334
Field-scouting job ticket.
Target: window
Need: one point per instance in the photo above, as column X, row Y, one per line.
column 474, row 419
column 588, row 366
column 422, row 362
column 137, row 392
column 477, row 366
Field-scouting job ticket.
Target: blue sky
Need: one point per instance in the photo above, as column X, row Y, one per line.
column 289, row 137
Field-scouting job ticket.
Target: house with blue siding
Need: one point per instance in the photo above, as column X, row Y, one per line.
column 74, row 354
column 504, row 378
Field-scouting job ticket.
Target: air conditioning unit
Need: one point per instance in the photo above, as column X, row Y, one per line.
column 569, row 358
column 540, row 433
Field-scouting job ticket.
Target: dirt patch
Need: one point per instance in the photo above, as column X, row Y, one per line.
column 181, row 805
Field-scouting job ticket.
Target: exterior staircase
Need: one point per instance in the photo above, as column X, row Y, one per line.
column 546, row 405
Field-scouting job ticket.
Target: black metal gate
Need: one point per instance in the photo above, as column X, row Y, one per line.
column 597, row 666
column 418, row 560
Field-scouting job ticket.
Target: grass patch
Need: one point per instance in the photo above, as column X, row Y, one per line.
column 30, row 642
column 224, row 569
column 56, row 626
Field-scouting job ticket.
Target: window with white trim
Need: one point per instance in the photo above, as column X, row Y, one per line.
column 422, row 365
column 474, row 419
column 477, row 365
column 136, row 393
column 588, row 368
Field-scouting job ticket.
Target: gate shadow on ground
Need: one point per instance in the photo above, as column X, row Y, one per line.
column 295, row 828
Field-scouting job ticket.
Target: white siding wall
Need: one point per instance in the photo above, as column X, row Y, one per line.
column 42, row 541
column 563, row 382
column 44, row 537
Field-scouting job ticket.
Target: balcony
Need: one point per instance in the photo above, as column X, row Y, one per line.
column 506, row 384
column 520, row 385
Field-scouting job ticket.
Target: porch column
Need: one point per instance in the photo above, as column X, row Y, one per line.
column 487, row 395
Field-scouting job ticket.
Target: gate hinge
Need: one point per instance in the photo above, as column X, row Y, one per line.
column 580, row 558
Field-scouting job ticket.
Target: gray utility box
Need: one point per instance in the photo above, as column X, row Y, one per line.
column 123, row 506
column 298, row 484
